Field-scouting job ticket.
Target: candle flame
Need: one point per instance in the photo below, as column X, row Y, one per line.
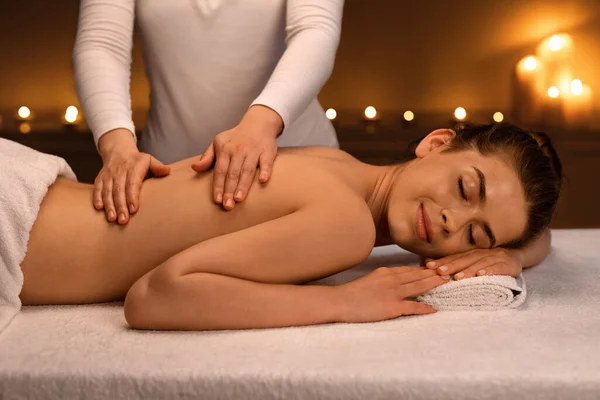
column 553, row 92
column 24, row 112
column 576, row 87
column 530, row 63
column 460, row 113
column 71, row 114
column 370, row 112
column 331, row 114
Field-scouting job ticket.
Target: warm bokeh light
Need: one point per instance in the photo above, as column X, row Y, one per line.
column 576, row 87
column 556, row 42
column 24, row 128
column 370, row 112
column 553, row 91
column 71, row 114
column 498, row 116
column 530, row 63
column 409, row 115
column 460, row 113
column 24, row 112
column 331, row 114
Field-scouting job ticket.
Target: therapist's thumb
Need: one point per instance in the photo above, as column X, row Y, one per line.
column 206, row 160
column 157, row 168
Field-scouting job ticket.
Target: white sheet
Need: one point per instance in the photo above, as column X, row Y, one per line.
column 549, row 348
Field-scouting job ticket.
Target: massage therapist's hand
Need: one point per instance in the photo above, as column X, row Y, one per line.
column 239, row 151
column 479, row 262
column 383, row 293
column 117, row 186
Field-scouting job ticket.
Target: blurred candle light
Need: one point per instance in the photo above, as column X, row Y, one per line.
column 71, row 114
column 576, row 87
column 460, row 113
column 498, row 116
column 530, row 63
column 578, row 105
column 528, row 90
column 331, row 114
column 553, row 113
column 370, row 112
column 556, row 51
column 407, row 121
column 24, row 112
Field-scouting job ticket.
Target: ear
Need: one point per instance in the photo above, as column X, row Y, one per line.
column 433, row 141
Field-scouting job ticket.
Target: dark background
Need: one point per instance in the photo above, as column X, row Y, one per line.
column 429, row 56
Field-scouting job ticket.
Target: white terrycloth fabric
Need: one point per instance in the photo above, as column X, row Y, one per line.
column 482, row 293
column 546, row 349
column 25, row 175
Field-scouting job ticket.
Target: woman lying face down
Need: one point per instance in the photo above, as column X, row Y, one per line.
column 482, row 199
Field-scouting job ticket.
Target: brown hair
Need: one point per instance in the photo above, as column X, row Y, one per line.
column 534, row 158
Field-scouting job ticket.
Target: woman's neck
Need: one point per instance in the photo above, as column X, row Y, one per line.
column 380, row 182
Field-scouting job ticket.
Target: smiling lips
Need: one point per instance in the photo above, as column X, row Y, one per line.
column 423, row 225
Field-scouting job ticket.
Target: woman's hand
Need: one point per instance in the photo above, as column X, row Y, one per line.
column 479, row 262
column 238, row 152
column 382, row 294
column 117, row 186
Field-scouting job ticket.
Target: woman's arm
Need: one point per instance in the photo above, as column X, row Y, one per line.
column 246, row 279
column 102, row 62
column 313, row 30
column 220, row 283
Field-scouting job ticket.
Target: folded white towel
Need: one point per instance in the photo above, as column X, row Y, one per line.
column 484, row 293
column 25, row 175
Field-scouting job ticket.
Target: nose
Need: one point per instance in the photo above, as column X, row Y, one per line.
column 453, row 220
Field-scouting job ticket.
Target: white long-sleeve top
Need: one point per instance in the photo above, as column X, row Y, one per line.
column 207, row 62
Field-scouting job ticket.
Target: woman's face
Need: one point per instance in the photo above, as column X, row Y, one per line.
column 450, row 202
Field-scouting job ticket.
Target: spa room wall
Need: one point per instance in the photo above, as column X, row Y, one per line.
column 427, row 56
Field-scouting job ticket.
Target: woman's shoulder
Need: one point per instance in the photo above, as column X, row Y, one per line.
column 319, row 151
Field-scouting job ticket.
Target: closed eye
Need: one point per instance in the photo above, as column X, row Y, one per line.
column 471, row 238
column 461, row 189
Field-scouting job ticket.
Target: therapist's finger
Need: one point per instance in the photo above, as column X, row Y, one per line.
column 107, row 199
column 219, row 175
column 206, row 159
column 133, row 187
column 120, row 200
column 266, row 161
column 246, row 178
column 233, row 177
column 97, row 197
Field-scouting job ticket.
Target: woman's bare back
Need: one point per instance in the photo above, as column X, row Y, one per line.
column 75, row 256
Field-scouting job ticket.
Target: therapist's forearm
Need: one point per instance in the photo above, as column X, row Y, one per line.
column 264, row 119
column 536, row 251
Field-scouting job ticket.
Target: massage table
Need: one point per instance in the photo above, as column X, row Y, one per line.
column 549, row 348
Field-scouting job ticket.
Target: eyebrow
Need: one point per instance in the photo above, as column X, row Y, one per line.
column 483, row 199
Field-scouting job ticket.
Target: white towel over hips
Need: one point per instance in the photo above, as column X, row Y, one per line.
column 25, row 176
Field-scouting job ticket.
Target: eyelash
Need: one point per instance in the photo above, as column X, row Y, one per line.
column 461, row 189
